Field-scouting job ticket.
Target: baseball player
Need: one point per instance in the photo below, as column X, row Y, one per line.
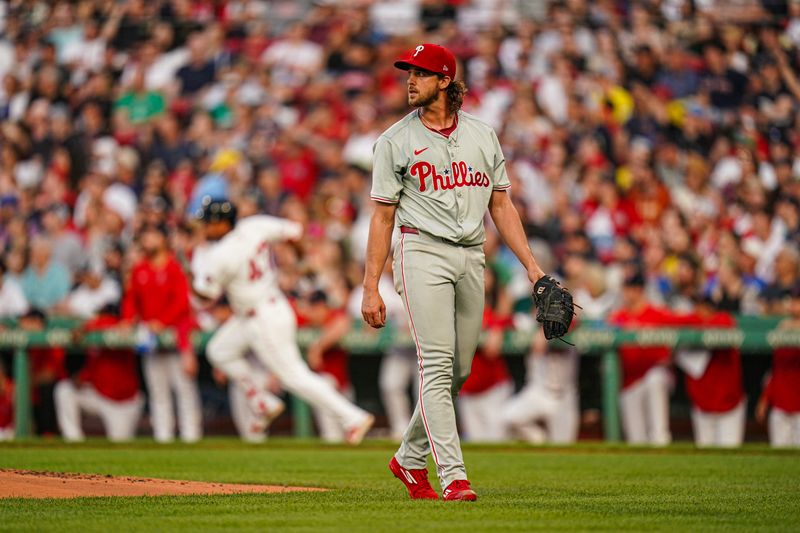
column 549, row 397
column 107, row 386
column 250, row 426
column 157, row 297
column 436, row 171
column 646, row 376
column 781, row 395
column 239, row 264
column 713, row 382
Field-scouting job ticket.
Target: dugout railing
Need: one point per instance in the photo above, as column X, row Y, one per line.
column 752, row 336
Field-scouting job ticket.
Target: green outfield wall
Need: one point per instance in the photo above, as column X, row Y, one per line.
column 757, row 336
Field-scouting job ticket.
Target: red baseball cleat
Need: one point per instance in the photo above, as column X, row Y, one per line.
column 459, row 490
column 416, row 481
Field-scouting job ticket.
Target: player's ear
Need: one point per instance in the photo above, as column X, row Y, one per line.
column 444, row 82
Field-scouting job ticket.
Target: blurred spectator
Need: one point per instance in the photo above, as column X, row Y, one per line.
column 12, row 298
column 200, row 70
column 777, row 294
column 6, row 405
column 106, row 386
column 45, row 282
column 94, row 292
column 713, row 382
column 137, row 105
column 293, row 59
column 781, row 396
column 646, row 378
column 157, row 298
column 47, row 368
column 67, row 246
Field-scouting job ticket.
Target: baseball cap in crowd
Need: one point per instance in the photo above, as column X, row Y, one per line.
column 430, row 57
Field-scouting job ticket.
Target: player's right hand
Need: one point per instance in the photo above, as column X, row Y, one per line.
column 373, row 309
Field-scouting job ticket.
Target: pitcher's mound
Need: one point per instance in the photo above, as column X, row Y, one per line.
column 30, row 484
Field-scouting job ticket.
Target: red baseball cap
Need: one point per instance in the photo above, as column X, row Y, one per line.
column 430, row 57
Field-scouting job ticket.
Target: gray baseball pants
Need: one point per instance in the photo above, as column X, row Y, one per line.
column 442, row 288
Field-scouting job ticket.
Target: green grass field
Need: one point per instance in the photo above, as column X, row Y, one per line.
column 520, row 489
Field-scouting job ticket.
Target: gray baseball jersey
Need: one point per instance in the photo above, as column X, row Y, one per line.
column 445, row 182
column 441, row 185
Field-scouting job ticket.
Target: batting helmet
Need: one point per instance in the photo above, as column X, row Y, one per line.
column 217, row 211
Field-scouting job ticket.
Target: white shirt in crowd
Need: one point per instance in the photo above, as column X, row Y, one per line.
column 12, row 299
column 86, row 302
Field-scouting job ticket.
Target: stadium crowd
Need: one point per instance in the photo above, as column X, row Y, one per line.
column 652, row 148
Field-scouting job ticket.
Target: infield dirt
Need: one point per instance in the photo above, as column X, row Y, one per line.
column 32, row 484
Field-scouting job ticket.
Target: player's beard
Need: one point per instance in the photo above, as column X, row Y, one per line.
column 424, row 100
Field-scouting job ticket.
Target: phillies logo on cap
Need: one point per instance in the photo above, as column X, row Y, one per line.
column 431, row 57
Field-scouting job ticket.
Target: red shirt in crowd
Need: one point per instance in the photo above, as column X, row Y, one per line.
column 488, row 372
column 638, row 360
column 298, row 170
column 112, row 372
column 720, row 388
column 160, row 294
column 783, row 388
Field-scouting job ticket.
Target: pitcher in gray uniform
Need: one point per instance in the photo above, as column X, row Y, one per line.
column 436, row 172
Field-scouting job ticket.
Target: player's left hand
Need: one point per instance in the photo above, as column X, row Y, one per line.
column 535, row 275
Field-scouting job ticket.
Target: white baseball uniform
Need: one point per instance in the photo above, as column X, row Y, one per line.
column 240, row 265
column 249, row 425
column 784, row 429
column 644, row 408
column 329, row 428
column 550, row 397
column 478, row 413
column 120, row 418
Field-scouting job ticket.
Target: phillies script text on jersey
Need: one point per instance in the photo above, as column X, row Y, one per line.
column 462, row 176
